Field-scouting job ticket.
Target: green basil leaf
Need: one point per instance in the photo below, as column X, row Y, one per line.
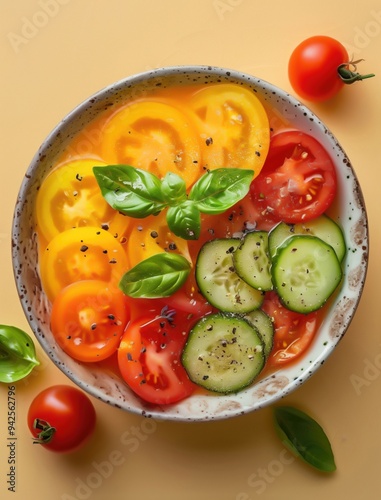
column 17, row 354
column 219, row 189
column 304, row 437
column 185, row 220
column 174, row 189
column 130, row 190
column 158, row 276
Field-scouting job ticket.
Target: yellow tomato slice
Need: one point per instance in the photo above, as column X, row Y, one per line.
column 70, row 197
column 234, row 127
column 81, row 254
column 154, row 136
column 150, row 236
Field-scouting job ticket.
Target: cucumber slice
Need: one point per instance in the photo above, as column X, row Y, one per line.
column 252, row 261
column 263, row 323
column 323, row 227
column 223, row 353
column 218, row 281
column 305, row 271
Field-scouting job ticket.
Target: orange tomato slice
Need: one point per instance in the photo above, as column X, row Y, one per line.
column 150, row 236
column 155, row 136
column 88, row 319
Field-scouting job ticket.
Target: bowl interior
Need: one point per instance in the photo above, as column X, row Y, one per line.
column 349, row 207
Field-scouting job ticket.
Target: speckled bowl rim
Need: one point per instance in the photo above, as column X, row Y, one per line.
column 108, row 387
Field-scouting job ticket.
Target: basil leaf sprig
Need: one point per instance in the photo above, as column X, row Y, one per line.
column 130, row 190
column 219, row 189
column 139, row 193
column 17, row 354
column 304, row 437
column 158, row 276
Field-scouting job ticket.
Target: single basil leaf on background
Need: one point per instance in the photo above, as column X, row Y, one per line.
column 304, row 437
column 158, row 276
column 130, row 190
column 219, row 189
column 17, row 354
column 185, row 220
column 174, row 189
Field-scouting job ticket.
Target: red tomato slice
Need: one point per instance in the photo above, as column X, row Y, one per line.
column 298, row 180
column 294, row 332
column 189, row 299
column 149, row 358
column 88, row 319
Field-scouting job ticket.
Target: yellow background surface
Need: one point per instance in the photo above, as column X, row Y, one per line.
column 55, row 54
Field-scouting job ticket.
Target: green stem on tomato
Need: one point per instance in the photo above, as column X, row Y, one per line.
column 46, row 434
column 348, row 76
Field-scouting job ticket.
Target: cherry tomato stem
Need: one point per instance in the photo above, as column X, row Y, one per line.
column 47, row 431
column 348, row 76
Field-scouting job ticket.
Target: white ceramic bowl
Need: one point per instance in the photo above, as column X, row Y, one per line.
column 111, row 389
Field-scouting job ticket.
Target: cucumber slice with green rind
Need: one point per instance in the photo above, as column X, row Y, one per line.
column 305, row 272
column 252, row 261
column 323, row 227
column 219, row 283
column 223, row 353
column 263, row 323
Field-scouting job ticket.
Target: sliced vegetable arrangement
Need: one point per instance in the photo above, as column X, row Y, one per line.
column 211, row 257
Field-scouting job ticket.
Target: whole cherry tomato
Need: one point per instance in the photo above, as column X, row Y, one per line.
column 319, row 67
column 61, row 418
